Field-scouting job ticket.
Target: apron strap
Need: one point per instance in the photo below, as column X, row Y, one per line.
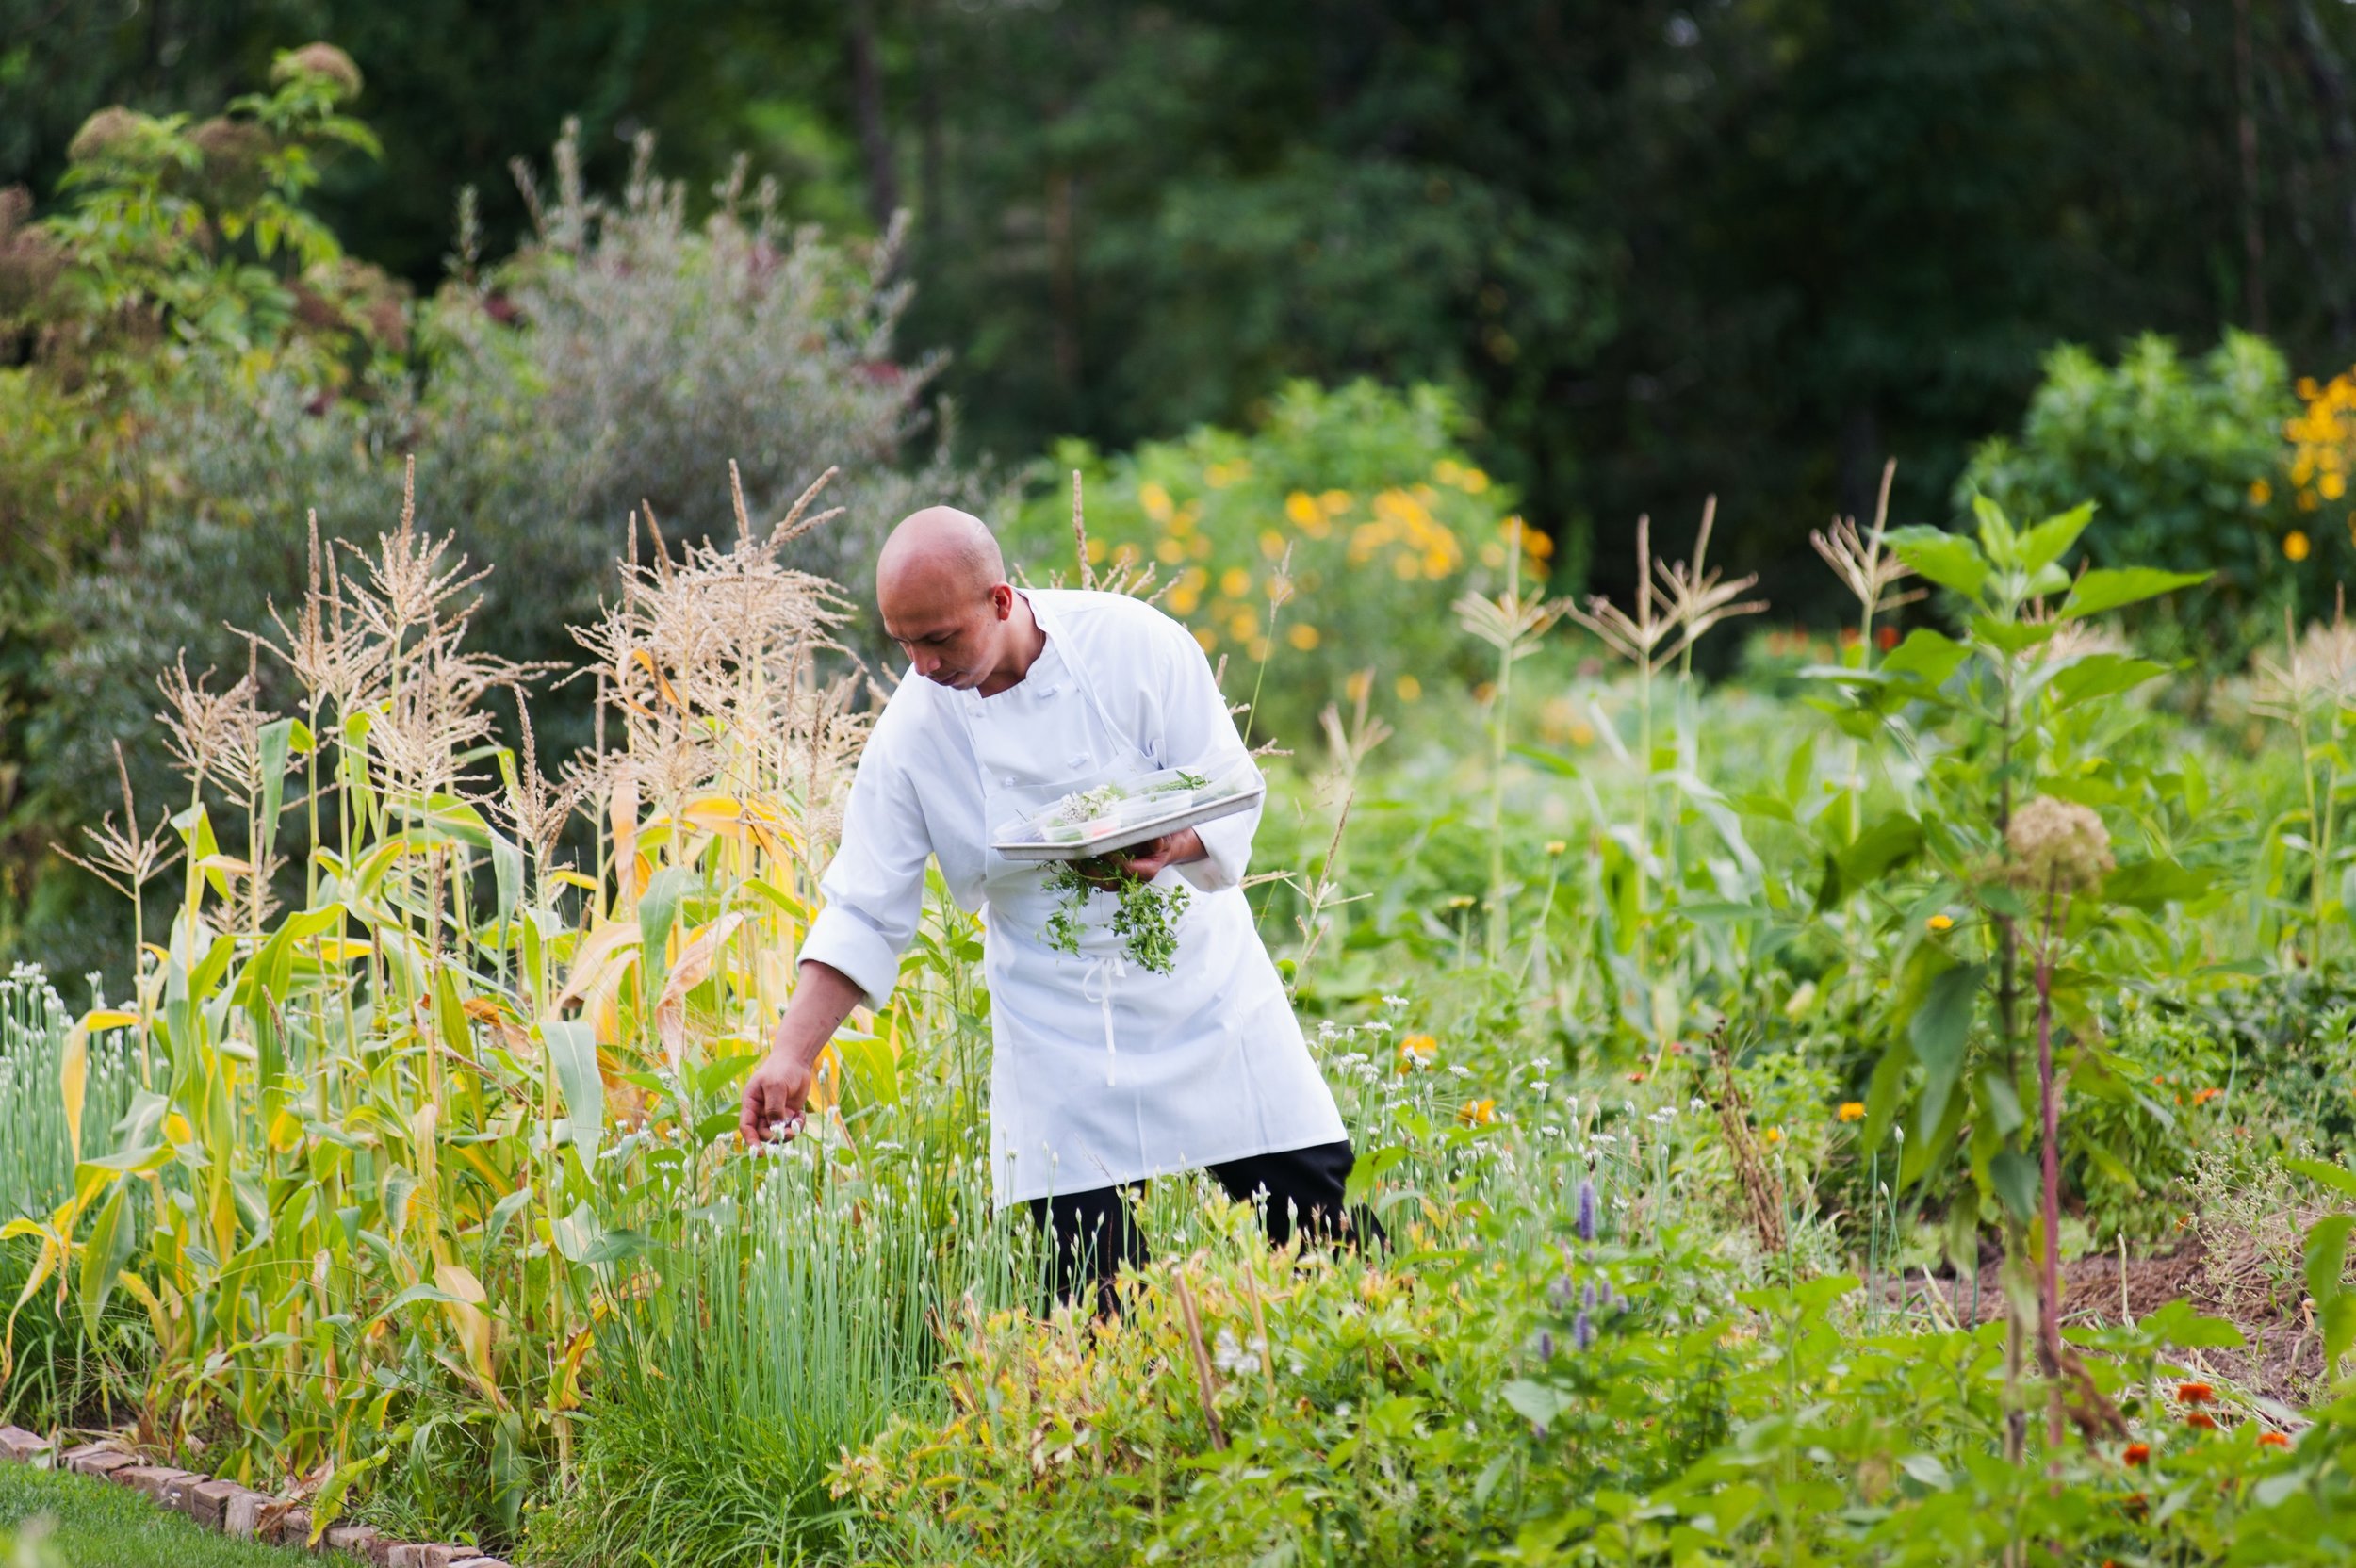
column 1097, row 986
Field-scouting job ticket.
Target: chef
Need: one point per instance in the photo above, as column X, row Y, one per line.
column 1103, row 1073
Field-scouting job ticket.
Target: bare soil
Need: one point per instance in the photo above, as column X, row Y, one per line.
column 2221, row 1275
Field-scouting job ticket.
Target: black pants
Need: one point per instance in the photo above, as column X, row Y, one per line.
column 1095, row 1233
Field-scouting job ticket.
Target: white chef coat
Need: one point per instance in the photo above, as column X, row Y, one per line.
column 1101, row 1072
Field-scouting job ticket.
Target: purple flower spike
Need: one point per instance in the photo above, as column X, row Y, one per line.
column 1587, row 1209
column 1587, row 1297
column 1583, row 1331
column 1545, row 1345
column 1559, row 1289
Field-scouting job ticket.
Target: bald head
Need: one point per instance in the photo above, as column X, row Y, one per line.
column 941, row 586
column 938, row 550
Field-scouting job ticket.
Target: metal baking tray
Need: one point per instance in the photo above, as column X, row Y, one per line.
column 1128, row 834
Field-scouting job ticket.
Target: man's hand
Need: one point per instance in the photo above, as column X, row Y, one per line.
column 774, row 1098
column 779, row 1087
column 1145, row 861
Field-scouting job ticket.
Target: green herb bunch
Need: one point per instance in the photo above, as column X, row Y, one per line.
column 1145, row 919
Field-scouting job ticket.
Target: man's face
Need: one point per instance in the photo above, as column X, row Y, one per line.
column 951, row 638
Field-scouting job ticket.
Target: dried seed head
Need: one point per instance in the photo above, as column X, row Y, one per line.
column 2058, row 845
column 319, row 59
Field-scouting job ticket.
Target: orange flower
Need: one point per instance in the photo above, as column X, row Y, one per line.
column 1417, row 1051
column 2137, row 1453
column 1478, row 1112
column 2273, row 1440
column 2205, row 1096
column 2201, row 1419
column 1775, row 1135
column 1852, row 1110
column 2195, row 1394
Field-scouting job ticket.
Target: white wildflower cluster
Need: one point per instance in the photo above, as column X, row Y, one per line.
column 1234, row 1359
column 1086, row 805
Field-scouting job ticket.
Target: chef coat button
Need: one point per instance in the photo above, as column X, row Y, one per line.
column 1008, row 780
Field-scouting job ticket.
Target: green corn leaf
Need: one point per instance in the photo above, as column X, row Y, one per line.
column 573, row 1047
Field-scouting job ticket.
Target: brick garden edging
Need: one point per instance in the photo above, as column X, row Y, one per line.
column 232, row 1508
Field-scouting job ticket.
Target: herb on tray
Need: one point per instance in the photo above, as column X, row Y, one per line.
column 1145, row 919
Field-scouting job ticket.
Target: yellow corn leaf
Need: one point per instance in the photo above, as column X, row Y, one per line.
column 285, row 1131
column 99, row 1021
column 599, row 966
column 690, row 970
column 565, row 1390
column 339, row 950
column 575, row 880
column 660, row 684
column 622, row 811
column 470, row 1323
column 74, row 1081
column 176, row 1128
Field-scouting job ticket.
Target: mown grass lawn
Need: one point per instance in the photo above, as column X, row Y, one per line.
column 61, row 1521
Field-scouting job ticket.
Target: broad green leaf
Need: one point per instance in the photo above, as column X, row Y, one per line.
column 1950, row 559
column 2327, row 1254
column 658, row 906
column 1938, row 1033
column 105, row 1250
column 1996, row 533
column 1538, row 1403
column 2338, row 1178
column 2011, row 637
column 2149, row 884
column 2101, row 675
column 2014, row 1175
column 2179, row 1325
column 1887, row 842
column 573, row 1047
column 2109, row 589
column 1929, row 657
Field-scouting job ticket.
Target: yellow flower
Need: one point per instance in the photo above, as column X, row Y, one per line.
column 1417, row 1051
column 1183, row 600
column 2260, row 492
column 1155, row 500
column 1302, row 636
column 1406, row 567
column 1942, row 923
column 1271, row 542
column 1478, row 1112
column 1408, row 688
column 1583, row 733
column 1096, row 551
column 1852, row 1110
column 1200, row 546
column 1447, row 472
column 1208, row 638
column 1358, row 684
column 1243, row 625
column 1473, row 481
column 1234, row 582
column 1335, row 502
column 2296, row 545
column 1775, row 1135
column 1302, row 507
column 2331, row 485
column 1556, row 846
column 1169, row 552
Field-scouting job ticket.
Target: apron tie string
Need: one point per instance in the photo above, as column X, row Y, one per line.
column 1097, row 986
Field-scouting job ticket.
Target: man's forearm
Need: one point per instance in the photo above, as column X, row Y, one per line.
column 818, row 1004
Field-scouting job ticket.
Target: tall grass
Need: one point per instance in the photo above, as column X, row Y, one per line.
column 58, row 1372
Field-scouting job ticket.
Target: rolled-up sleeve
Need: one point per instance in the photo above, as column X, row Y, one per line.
column 1198, row 732
column 875, row 886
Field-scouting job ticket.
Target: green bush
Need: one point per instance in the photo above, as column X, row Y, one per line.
column 1359, row 502
column 2183, row 459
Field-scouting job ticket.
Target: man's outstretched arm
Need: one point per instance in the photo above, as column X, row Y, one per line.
column 779, row 1087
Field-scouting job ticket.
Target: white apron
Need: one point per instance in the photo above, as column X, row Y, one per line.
column 1104, row 1073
